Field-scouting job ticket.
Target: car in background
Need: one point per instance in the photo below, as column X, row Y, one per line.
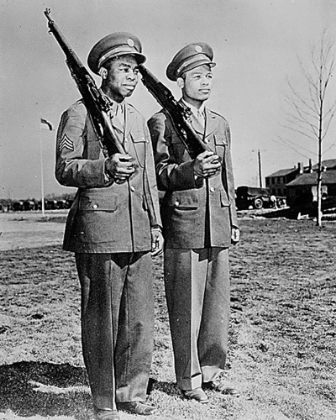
column 254, row 197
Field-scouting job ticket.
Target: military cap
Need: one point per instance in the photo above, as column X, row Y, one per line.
column 189, row 57
column 115, row 45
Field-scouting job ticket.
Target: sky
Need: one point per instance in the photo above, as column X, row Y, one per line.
column 257, row 45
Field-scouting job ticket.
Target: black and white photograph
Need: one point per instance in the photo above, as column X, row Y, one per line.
column 168, row 209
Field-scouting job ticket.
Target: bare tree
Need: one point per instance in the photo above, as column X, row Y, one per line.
column 311, row 114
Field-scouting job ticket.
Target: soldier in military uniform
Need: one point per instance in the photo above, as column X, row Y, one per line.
column 114, row 228
column 199, row 225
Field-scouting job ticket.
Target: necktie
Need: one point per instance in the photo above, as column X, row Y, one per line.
column 119, row 114
column 200, row 117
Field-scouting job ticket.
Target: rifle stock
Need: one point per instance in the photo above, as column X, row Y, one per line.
column 179, row 113
column 94, row 101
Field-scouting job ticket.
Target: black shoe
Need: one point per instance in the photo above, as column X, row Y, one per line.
column 220, row 386
column 151, row 383
column 137, row 407
column 106, row 414
column 196, row 394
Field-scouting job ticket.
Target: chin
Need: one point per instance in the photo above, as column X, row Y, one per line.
column 130, row 91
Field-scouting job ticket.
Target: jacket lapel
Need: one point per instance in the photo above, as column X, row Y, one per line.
column 129, row 121
column 130, row 118
column 197, row 125
column 211, row 122
column 194, row 122
column 116, row 123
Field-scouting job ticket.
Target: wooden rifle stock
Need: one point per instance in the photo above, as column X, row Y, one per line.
column 179, row 113
column 96, row 104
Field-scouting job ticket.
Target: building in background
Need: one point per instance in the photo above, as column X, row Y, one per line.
column 303, row 190
column 299, row 184
column 328, row 164
column 277, row 182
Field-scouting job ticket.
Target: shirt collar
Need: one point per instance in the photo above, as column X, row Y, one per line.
column 113, row 104
column 194, row 110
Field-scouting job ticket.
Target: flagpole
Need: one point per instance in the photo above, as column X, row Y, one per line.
column 41, row 163
column 51, row 128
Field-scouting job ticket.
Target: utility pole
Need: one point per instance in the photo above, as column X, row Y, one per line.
column 259, row 164
column 41, row 165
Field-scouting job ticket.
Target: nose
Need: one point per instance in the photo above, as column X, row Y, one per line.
column 205, row 81
column 131, row 75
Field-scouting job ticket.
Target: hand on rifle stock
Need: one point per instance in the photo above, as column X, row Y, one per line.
column 207, row 164
column 120, row 167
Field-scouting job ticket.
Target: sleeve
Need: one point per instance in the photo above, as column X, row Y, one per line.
column 171, row 174
column 230, row 179
column 72, row 169
column 150, row 185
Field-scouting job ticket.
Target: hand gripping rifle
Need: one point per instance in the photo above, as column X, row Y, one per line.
column 94, row 101
column 179, row 113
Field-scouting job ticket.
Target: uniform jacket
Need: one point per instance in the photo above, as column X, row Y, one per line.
column 187, row 219
column 106, row 217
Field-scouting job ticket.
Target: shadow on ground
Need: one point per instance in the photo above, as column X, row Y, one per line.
column 45, row 389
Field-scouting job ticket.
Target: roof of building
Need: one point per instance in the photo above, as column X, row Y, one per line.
column 283, row 172
column 328, row 177
column 328, row 163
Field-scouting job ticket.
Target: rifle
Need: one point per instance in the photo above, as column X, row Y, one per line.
column 96, row 104
column 179, row 113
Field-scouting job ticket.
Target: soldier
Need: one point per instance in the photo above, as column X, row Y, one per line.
column 114, row 228
column 199, row 225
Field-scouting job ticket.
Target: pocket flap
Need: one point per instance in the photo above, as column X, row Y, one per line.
column 225, row 202
column 98, row 202
column 176, row 139
column 185, row 199
column 220, row 140
column 138, row 137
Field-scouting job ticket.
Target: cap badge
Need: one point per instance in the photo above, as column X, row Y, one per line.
column 198, row 49
column 130, row 42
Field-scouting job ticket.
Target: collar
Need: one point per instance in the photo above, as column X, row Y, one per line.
column 114, row 106
column 194, row 110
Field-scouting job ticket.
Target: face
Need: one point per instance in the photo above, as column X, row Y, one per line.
column 196, row 84
column 121, row 77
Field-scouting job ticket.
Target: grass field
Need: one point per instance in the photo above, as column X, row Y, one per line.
column 282, row 337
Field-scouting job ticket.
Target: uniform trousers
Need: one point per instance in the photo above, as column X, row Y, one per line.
column 117, row 324
column 198, row 298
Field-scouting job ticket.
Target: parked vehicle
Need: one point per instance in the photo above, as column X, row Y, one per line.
column 29, row 205
column 256, row 197
column 17, row 205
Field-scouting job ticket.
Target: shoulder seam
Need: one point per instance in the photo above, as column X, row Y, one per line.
column 216, row 113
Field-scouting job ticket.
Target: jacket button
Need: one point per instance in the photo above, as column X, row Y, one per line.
column 132, row 188
column 95, row 206
column 212, row 189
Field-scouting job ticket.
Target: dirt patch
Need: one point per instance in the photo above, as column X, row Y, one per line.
column 282, row 337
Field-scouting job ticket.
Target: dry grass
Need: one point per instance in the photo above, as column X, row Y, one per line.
column 283, row 347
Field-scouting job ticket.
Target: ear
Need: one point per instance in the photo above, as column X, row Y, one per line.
column 180, row 83
column 103, row 72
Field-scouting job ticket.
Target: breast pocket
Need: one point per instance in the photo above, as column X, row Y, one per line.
column 140, row 142
column 220, row 144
